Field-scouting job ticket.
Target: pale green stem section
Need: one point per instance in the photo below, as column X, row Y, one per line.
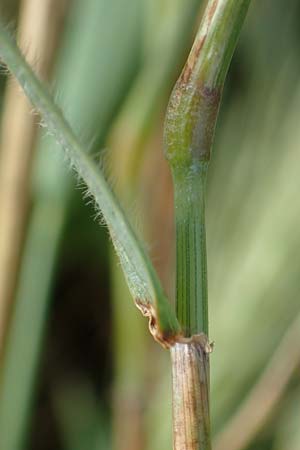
column 191, row 249
column 140, row 274
column 189, row 130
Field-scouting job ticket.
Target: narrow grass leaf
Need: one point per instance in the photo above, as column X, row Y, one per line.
column 141, row 277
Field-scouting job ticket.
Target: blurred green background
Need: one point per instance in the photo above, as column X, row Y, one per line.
column 78, row 369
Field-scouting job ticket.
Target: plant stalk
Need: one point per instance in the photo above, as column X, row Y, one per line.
column 189, row 130
column 190, row 376
column 191, row 281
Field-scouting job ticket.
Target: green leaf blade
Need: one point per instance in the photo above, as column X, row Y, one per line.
column 141, row 277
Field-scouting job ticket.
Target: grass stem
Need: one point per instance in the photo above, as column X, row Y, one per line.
column 189, row 131
column 190, row 375
column 191, row 288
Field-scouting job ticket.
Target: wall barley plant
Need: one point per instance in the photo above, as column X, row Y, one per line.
column 189, row 130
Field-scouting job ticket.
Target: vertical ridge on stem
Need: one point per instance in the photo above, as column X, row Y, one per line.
column 191, row 265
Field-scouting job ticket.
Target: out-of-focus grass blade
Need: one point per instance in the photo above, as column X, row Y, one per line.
column 140, row 274
column 38, row 25
column 20, row 365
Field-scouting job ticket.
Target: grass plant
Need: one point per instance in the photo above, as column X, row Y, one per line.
column 190, row 125
column 252, row 233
